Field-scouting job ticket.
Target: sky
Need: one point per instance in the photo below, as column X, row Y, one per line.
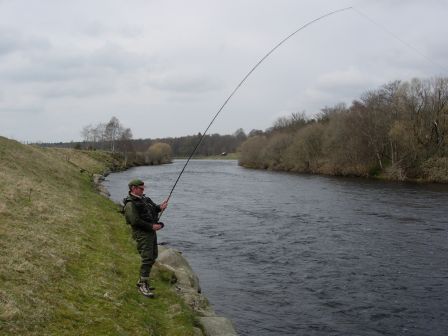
column 164, row 68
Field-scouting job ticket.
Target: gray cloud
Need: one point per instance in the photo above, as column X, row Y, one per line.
column 346, row 79
column 62, row 73
column 68, row 65
column 13, row 41
column 96, row 29
column 78, row 90
column 78, row 63
column 11, row 111
column 186, row 83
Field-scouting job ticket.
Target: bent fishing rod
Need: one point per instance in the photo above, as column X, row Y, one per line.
column 408, row 45
column 240, row 84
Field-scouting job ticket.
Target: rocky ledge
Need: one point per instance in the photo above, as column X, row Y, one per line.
column 187, row 286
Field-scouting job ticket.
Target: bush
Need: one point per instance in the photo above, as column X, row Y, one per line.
column 158, row 153
column 252, row 152
column 436, row 169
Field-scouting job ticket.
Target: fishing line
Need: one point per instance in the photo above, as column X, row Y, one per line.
column 395, row 36
column 268, row 54
column 241, row 83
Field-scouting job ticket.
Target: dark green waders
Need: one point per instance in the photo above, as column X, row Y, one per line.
column 147, row 248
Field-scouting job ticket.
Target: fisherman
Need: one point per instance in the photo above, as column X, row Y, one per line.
column 142, row 214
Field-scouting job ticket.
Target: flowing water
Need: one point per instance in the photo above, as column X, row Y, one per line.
column 285, row 254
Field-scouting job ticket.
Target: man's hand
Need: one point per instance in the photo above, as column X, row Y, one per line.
column 157, row 226
column 164, row 204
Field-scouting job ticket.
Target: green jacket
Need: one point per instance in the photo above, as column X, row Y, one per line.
column 141, row 213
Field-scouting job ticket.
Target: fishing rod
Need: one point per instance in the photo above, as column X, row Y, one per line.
column 240, row 84
column 269, row 53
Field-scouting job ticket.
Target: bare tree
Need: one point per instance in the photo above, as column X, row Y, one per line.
column 125, row 143
column 113, row 132
column 111, row 135
column 87, row 135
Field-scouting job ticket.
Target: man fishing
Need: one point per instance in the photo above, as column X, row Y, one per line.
column 142, row 214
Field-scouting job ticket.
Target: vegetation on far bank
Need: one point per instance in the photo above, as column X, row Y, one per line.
column 397, row 132
column 116, row 138
column 222, row 156
column 69, row 264
column 158, row 153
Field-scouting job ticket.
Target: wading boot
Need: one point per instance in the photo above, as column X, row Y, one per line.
column 150, row 286
column 145, row 289
column 148, row 282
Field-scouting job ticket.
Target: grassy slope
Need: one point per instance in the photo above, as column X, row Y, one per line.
column 68, row 264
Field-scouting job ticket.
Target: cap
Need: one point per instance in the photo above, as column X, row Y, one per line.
column 135, row 183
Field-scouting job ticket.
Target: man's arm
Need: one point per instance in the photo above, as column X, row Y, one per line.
column 132, row 217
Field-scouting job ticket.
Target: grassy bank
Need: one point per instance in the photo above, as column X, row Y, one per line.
column 69, row 266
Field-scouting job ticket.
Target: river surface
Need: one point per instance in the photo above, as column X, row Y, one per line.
column 286, row 254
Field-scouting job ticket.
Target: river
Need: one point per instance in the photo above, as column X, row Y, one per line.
column 287, row 254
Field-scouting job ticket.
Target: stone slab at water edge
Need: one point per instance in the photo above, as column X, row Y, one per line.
column 187, row 286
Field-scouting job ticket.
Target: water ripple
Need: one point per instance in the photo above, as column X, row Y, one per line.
column 284, row 254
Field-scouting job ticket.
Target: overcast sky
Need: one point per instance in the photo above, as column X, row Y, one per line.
column 163, row 68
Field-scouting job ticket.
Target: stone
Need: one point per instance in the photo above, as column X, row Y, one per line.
column 187, row 286
column 183, row 271
column 197, row 332
column 217, row 326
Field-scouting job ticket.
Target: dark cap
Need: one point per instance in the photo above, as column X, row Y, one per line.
column 135, row 183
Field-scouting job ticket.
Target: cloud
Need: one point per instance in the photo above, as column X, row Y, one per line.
column 82, row 62
column 13, row 41
column 61, row 65
column 184, row 83
column 14, row 110
column 76, row 72
column 117, row 58
column 338, row 86
column 96, row 29
column 348, row 79
column 91, row 87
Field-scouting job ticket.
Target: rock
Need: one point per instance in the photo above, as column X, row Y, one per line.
column 185, row 276
column 97, row 179
column 217, row 326
column 197, row 332
column 187, row 286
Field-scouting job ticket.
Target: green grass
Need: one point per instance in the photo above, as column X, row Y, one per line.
column 69, row 266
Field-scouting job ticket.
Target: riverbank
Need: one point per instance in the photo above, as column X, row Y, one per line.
column 389, row 174
column 226, row 156
column 68, row 261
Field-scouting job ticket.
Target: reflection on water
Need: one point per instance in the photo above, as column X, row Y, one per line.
column 283, row 254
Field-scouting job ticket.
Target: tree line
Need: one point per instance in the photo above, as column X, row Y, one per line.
column 398, row 131
column 212, row 144
column 115, row 137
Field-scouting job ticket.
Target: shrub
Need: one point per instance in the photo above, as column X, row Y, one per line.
column 158, row 153
column 436, row 169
